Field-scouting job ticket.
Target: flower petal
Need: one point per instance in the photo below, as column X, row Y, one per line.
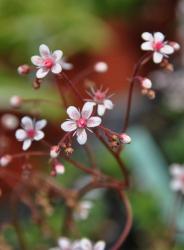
column 40, row 124
column 147, row 46
column 86, row 244
column 56, row 69
column 101, row 109
column 176, row 185
column 176, row 170
column 100, row 245
column 73, row 113
column 157, row 57
column 26, row 144
column 87, row 110
column 65, row 65
column 108, row 104
column 93, row 121
column 147, row 36
column 64, row 243
column 158, row 37
column 44, row 51
column 39, row 135
column 20, row 135
column 42, row 72
column 57, row 54
column 81, row 136
column 167, row 49
column 27, row 123
column 69, row 126
column 37, row 61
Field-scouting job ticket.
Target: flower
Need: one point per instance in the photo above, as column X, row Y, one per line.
column 31, row 130
column 54, row 151
column 9, row 121
column 156, row 44
column 23, row 69
column 146, row 83
column 125, row 139
column 82, row 210
column 59, row 168
column 47, row 61
column 101, row 67
column 177, row 182
column 100, row 99
column 80, row 121
column 83, row 244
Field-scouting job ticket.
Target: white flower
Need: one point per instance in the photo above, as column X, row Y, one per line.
column 31, row 130
column 177, row 182
column 47, row 61
column 101, row 67
column 82, row 210
column 80, row 121
column 100, row 99
column 156, row 44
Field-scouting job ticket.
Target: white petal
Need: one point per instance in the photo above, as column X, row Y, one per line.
column 108, row 104
column 167, row 49
column 81, row 136
column 66, row 66
column 176, row 169
column 69, row 126
column 93, row 121
column 26, row 144
column 101, row 109
column 100, row 245
column 40, row 124
column 56, row 69
column 73, row 113
column 176, row 185
column 64, row 243
column 86, row 244
column 147, row 46
column 37, row 60
column 87, row 110
column 39, row 135
column 158, row 37
column 20, row 135
column 57, row 54
column 157, row 57
column 42, row 72
column 147, row 36
column 27, row 123
column 44, row 51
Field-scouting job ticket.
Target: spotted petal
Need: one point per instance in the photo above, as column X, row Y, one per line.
column 42, row 72
column 57, row 54
column 69, row 126
column 87, row 110
column 73, row 113
column 37, row 61
column 158, row 37
column 81, row 136
column 93, row 121
column 27, row 123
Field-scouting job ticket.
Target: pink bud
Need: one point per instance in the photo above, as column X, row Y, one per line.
column 54, row 152
column 16, row 101
column 59, row 168
column 5, row 160
column 146, row 83
column 125, row 139
column 23, row 69
column 101, row 67
column 9, row 121
column 175, row 45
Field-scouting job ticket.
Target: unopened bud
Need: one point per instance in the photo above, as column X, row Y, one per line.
column 101, row 67
column 125, row 139
column 16, row 101
column 54, row 152
column 175, row 45
column 23, row 69
column 69, row 150
column 59, row 168
column 5, row 160
column 146, row 83
column 144, row 91
column 151, row 94
column 9, row 121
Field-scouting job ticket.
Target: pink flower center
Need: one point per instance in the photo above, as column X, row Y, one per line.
column 81, row 123
column 158, row 45
column 48, row 63
column 31, row 133
column 99, row 96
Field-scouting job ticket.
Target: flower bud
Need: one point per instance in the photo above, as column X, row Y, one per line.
column 151, row 94
column 9, row 121
column 146, row 83
column 16, row 101
column 5, row 160
column 125, row 139
column 59, row 168
column 23, row 69
column 101, row 67
column 69, row 150
column 54, row 152
column 175, row 45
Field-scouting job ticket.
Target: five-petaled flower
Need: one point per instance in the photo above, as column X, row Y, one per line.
column 48, row 61
column 177, row 182
column 31, row 130
column 100, row 98
column 80, row 121
column 156, row 44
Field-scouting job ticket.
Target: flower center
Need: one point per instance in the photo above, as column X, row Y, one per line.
column 158, row 45
column 31, row 133
column 48, row 63
column 81, row 123
column 99, row 96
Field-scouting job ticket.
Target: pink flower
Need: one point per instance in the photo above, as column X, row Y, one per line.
column 177, row 182
column 100, row 99
column 156, row 44
column 31, row 130
column 47, row 61
column 80, row 121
